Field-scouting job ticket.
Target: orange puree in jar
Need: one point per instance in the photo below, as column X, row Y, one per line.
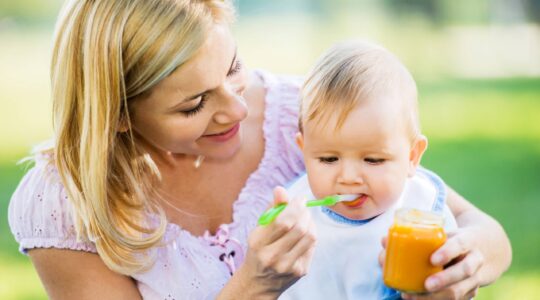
column 413, row 237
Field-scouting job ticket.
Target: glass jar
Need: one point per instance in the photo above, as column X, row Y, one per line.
column 412, row 239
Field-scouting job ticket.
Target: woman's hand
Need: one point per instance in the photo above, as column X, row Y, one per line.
column 474, row 255
column 279, row 253
column 461, row 258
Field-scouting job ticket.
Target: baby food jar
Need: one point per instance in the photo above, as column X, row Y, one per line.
column 412, row 239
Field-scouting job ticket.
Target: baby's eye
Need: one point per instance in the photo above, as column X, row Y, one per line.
column 328, row 159
column 374, row 161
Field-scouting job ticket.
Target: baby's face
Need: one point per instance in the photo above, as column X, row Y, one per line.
column 370, row 155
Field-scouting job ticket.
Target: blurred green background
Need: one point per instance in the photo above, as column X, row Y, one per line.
column 477, row 64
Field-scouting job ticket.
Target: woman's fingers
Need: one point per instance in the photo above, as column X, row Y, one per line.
column 460, row 260
column 262, row 236
column 463, row 290
column 459, row 280
column 459, row 243
column 289, row 219
column 284, row 222
column 287, row 238
column 280, row 252
column 280, row 195
column 460, row 271
column 298, row 258
column 297, row 223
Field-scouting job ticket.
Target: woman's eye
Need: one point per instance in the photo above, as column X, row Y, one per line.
column 237, row 67
column 192, row 111
column 328, row 160
column 374, row 161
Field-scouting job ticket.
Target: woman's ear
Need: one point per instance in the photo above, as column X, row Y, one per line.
column 122, row 126
column 300, row 140
column 417, row 150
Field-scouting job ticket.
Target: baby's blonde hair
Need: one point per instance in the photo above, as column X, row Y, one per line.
column 352, row 72
column 106, row 53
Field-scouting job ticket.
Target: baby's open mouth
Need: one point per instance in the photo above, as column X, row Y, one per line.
column 356, row 202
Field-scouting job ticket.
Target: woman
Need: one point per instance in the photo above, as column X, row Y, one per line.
column 166, row 151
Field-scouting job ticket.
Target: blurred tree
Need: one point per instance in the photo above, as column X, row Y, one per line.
column 29, row 12
column 430, row 9
column 533, row 9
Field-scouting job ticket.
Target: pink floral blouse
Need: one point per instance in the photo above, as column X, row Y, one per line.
column 187, row 266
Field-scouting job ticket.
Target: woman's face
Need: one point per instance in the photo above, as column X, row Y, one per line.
column 197, row 110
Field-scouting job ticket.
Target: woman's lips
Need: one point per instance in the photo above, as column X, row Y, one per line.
column 356, row 202
column 224, row 136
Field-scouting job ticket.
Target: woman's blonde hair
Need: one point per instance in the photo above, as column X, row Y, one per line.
column 106, row 53
column 351, row 72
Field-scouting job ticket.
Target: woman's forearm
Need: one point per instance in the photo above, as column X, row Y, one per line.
column 489, row 235
column 239, row 287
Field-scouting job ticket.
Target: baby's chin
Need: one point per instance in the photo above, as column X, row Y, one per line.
column 356, row 213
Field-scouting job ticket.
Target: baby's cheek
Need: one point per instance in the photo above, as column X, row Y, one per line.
column 390, row 197
column 320, row 185
column 319, row 190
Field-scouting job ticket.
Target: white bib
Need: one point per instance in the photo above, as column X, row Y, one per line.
column 345, row 263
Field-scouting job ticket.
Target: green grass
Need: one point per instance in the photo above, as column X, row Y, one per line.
column 18, row 280
column 497, row 171
column 484, row 141
column 502, row 179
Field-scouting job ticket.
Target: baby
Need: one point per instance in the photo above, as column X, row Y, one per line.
column 360, row 134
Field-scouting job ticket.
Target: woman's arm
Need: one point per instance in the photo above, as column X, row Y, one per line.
column 490, row 238
column 475, row 255
column 69, row 274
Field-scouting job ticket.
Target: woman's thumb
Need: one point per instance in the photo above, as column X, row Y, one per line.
column 280, row 195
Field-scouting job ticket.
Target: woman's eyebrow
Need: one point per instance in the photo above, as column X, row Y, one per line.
column 228, row 74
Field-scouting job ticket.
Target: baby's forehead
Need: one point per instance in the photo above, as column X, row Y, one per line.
column 387, row 106
column 353, row 138
column 373, row 123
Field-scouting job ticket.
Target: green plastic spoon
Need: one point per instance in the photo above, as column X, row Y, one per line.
column 268, row 216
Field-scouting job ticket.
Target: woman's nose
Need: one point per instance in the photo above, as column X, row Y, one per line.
column 233, row 108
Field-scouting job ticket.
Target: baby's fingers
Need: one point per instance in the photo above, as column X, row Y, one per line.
column 382, row 254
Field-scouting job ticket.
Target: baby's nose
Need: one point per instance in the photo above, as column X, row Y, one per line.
column 350, row 174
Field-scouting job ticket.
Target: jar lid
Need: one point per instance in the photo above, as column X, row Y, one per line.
column 418, row 218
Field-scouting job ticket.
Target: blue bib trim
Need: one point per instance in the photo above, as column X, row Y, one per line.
column 342, row 219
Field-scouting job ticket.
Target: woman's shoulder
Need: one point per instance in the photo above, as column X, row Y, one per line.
column 281, row 88
column 281, row 118
column 281, row 101
column 40, row 214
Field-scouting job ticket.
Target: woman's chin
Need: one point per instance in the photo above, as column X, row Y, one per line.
column 224, row 151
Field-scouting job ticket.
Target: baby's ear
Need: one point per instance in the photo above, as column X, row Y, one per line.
column 300, row 140
column 417, row 150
